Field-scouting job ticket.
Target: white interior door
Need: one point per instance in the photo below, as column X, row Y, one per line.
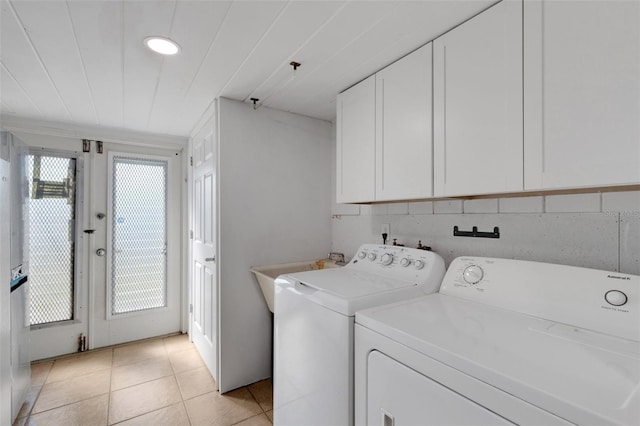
column 135, row 254
column 204, row 288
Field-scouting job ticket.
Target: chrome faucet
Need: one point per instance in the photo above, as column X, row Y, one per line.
column 337, row 257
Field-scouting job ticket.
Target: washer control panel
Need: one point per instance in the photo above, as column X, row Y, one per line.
column 602, row 301
column 404, row 263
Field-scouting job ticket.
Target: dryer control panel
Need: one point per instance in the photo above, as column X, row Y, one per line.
column 601, row 301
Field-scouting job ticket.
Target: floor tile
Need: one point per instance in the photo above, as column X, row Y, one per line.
column 259, row 420
column 174, row 415
column 195, row 382
column 134, row 374
column 72, row 390
column 186, row 360
column 228, row 409
column 263, row 393
column 177, row 343
column 29, row 401
column 80, row 365
column 90, row 412
column 138, row 352
column 144, row 398
column 39, row 372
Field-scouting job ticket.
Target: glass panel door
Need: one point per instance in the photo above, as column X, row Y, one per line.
column 52, row 208
column 139, row 235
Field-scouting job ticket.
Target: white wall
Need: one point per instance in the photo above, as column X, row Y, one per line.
column 600, row 231
column 274, row 207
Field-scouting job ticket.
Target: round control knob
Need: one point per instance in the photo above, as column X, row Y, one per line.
column 387, row 259
column 405, row 262
column 419, row 264
column 615, row 297
column 362, row 255
column 372, row 256
column 473, row 274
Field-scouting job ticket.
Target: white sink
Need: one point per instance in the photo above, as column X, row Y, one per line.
column 266, row 275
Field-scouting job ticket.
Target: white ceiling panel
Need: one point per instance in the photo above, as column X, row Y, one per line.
column 83, row 63
column 49, row 28
column 243, row 28
column 22, row 62
column 299, row 21
column 99, row 31
column 15, row 100
column 195, row 26
column 354, row 20
column 141, row 67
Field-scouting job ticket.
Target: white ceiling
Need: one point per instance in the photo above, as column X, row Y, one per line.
column 84, row 62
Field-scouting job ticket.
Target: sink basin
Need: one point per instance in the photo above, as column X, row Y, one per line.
column 266, row 275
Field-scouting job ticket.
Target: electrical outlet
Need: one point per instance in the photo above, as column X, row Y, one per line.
column 386, row 228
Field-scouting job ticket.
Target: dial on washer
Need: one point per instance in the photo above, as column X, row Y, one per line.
column 473, row 274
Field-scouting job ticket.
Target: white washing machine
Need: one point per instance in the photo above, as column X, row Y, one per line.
column 504, row 342
column 314, row 319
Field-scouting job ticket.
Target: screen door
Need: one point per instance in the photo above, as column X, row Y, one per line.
column 52, row 208
column 138, row 235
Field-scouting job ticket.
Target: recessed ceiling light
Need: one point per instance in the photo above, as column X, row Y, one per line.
column 162, row 45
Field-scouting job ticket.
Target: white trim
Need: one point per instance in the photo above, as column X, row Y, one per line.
column 105, row 134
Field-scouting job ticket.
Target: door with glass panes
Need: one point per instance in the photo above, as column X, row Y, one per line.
column 57, row 301
column 136, row 247
column 105, row 245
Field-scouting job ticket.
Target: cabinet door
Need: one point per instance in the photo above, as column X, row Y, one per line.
column 582, row 93
column 478, row 142
column 403, row 128
column 355, row 150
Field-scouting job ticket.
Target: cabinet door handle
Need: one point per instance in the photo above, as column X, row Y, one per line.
column 210, row 259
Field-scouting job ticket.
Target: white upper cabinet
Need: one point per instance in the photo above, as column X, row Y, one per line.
column 477, row 74
column 355, row 148
column 582, row 93
column 403, row 128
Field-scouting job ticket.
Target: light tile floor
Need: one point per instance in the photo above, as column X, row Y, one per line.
column 154, row 382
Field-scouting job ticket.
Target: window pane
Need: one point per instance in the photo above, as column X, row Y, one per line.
column 138, row 275
column 51, row 238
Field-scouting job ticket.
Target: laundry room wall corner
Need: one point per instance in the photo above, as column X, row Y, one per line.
column 274, row 207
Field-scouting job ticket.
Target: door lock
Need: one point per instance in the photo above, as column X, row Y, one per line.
column 101, row 252
column 210, row 259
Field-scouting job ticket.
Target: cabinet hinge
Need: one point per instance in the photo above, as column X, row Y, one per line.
column 191, row 234
column 191, row 161
column 190, row 308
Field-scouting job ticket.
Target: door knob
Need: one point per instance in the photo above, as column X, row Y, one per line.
column 101, row 252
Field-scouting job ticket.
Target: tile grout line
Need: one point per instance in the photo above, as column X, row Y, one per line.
column 110, row 385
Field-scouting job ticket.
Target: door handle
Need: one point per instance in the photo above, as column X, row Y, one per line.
column 210, row 259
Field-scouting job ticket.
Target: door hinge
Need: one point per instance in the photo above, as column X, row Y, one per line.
column 191, row 234
column 191, row 161
column 190, row 308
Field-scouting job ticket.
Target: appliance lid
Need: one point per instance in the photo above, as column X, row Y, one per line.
column 347, row 290
column 348, row 283
column 580, row 375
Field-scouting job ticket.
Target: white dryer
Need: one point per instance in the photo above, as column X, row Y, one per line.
column 313, row 327
column 504, row 342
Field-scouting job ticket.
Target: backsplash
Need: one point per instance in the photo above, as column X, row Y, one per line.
column 594, row 230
